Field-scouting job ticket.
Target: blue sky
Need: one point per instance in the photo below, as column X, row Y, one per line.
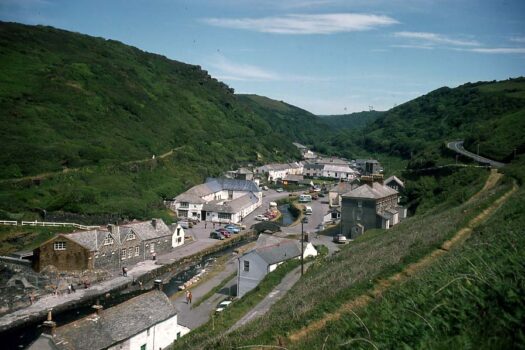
column 327, row 56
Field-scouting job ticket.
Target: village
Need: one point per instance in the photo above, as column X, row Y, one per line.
column 326, row 202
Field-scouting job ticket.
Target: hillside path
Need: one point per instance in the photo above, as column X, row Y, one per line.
column 382, row 286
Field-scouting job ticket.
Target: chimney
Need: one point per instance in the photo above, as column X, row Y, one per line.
column 114, row 229
column 49, row 325
column 158, row 284
column 154, row 223
column 98, row 308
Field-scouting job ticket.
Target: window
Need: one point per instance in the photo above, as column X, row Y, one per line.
column 59, row 245
column 108, row 240
column 130, row 252
column 179, row 240
column 178, row 231
column 123, row 254
column 184, row 205
column 131, row 236
column 246, row 265
column 152, row 248
column 143, row 347
column 137, row 251
column 227, row 216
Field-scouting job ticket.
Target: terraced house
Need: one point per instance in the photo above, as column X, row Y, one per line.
column 110, row 248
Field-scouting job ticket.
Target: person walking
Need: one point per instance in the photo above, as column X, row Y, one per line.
column 187, row 297
column 190, row 296
column 124, row 271
column 154, row 256
column 73, row 288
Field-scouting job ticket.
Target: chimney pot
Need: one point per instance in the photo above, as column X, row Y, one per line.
column 154, row 223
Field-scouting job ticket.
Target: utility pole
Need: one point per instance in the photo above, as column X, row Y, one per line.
column 302, row 246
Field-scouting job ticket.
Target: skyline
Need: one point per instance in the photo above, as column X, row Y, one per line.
column 326, row 56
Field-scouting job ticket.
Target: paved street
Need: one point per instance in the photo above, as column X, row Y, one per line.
column 457, row 146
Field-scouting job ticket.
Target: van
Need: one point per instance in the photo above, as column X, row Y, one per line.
column 308, row 210
column 305, row 198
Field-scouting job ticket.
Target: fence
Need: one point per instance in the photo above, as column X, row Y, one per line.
column 47, row 223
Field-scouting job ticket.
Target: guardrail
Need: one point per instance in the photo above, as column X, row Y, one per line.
column 47, row 224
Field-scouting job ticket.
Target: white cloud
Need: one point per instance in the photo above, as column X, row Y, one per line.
column 499, row 50
column 518, row 39
column 306, row 24
column 434, row 38
column 228, row 70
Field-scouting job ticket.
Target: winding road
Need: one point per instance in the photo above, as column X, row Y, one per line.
column 457, row 146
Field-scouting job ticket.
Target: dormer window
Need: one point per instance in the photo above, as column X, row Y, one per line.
column 131, row 236
column 108, row 240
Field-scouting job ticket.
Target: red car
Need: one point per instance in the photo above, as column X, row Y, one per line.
column 224, row 232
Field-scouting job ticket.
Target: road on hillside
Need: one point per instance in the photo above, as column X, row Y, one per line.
column 457, row 146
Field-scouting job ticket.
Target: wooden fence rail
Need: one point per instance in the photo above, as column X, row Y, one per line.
column 47, row 223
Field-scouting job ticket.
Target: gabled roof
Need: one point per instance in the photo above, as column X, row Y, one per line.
column 233, row 206
column 275, row 249
column 146, row 231
column 375, row 191
column 90, row 240
column 343, row 187
column 292, row 177
column 396, row 179
column 213, row 185
column 339, row 168
column 115, row 324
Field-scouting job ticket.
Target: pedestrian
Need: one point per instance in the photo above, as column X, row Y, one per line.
column 32, row 298
column 214, row 224
column 124, row 271
column 69, row 289
column 73, row 288
column 154, row 256
column 190, row 296
column 187, row 297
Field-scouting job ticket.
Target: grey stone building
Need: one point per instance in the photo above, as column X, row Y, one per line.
column 370, row 206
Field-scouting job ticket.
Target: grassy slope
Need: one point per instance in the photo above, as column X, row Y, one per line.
column 350, row 121
column 329, row 284
column 96, row 106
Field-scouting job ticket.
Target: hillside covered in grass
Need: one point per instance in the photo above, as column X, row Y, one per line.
column 81, row 119
column 488, row 113
column 350, row 121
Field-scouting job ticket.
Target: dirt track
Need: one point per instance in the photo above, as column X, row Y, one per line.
column 414, row 268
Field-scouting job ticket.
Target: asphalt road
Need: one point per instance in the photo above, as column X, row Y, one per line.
column 457, row 146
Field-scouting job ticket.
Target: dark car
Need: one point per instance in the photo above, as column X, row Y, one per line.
column 224, row 232
column 216, row 235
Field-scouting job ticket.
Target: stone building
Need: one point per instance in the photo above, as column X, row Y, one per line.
column 370, row 206
column 148, row 321
column 110, row 248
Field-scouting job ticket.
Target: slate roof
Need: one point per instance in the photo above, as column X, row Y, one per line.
column 376, row 191
column 396, row 179
column 293, row 178
column 275, row 249
column 213, row 185
column 115, row 324
column 88, row 239
column 343, row 187
column 339, row 168
column 313, row 166
column 233, row 206
column 146, row 231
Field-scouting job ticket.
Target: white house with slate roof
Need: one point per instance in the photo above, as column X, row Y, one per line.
column 148, row 321
column 278, row 171
column 218, row 200
column 269, row 252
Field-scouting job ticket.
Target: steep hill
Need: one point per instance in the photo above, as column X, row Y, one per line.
column 352, row 120
column 81, row 118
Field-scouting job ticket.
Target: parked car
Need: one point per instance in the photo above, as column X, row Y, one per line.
column 185, row 224
column 321, row 194
column 265, row 188
column 216, row 235
column 224, row 232
column 305, row 219
column 279, row 190
column 223, row 305
column 233, row 228
column 339, row 238
column 261, row 217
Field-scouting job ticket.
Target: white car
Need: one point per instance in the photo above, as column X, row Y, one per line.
column 261, row 217
column 279, row 190
column 223, row 305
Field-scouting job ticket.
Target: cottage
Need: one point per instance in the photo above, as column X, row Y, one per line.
column 342, row 172
column 292, row 179
column 269, row 252
column 109, row 248
column 218, row 200
column 274, row 172
column 370, row 206
column 313, row 170
column 395, row 183
column 148, row 321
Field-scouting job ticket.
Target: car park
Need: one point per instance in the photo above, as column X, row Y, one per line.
column 339, row 238
column 216, row 235
column 233, row 228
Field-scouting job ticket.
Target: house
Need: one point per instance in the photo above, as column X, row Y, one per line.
column 372, row 166
column 218, row 200
column 109, row 248
column 241, row 174
column 333, row 215
column 335, row 193
column 178, row 236
column 269, row 252
column 370, row 206
column 292, row 179
column 313, row 170
column 147, row 321
column 394, row 182
column 342, row 172
column 331, row 161
column 275, row 171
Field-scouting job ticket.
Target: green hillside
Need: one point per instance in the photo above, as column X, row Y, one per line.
column 350, row 121
column 84, row 116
